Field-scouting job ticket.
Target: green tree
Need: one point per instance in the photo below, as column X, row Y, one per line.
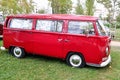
column 41, row 11
column 27, row 6
column 112, row 6
column 118, row 18
column 90, row 7
column 61, row 6
column 118, row 21
column 9, row 6
column 107, row 4
column 16, row 6
column 79, row 8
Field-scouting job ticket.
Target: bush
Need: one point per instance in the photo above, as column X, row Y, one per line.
column 107, row 24
column 117, row 25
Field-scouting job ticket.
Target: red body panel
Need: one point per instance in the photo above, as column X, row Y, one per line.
column 48, row 44
column 57, row 44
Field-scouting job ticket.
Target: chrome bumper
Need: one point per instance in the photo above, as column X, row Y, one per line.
column 103, row 64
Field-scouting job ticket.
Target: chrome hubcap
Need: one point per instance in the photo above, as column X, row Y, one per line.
column 75, row 60
column 17, row 51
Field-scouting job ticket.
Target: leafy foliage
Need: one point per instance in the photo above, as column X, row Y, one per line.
column 90, row 7
column 41, row 11
column 79, row 8
column 61, row 6
column 106, row 3
column 16, row 6
column 118, row 21
column 112, row 6
column 118, row 18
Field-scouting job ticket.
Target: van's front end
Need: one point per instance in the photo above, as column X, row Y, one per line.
column 104, row 41
column 104, row 51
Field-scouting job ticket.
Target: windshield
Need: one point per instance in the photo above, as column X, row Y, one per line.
column 101, row 28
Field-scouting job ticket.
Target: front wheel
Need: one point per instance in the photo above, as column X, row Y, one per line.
column 18, row 52
column 75, row 60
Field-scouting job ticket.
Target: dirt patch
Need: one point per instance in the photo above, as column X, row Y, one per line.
column 115, row 43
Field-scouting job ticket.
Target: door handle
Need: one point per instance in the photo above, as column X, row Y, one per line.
column 66, row 40
column 59, row 40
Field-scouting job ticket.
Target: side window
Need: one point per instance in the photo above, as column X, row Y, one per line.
column 21, row 23
column 49, row 25
column 79, row 27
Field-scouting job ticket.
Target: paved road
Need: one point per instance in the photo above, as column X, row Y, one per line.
column 115, row 43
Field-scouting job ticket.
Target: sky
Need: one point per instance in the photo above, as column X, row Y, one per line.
column 43, row 4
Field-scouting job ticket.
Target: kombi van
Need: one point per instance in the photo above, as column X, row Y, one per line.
column 80, row 40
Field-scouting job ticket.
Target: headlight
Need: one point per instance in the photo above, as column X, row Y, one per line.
column 104, row 59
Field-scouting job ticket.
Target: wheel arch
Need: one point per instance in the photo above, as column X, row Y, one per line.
column 12, row 46
column 74, row 52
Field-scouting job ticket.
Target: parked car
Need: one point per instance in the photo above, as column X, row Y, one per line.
column 80, row 40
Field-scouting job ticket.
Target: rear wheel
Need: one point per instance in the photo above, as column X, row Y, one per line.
column 75, row 60
column 18, row 52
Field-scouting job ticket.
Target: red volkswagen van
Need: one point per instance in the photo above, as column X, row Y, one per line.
column 80, row 40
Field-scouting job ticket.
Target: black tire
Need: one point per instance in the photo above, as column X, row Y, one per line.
column 18, row 52
column 75, row 60
column 10, row 50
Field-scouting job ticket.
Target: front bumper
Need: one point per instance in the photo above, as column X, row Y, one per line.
column 103, row 64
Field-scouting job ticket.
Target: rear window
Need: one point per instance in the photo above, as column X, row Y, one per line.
column 21, row 23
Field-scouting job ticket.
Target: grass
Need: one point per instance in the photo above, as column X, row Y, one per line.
column 43, row 68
